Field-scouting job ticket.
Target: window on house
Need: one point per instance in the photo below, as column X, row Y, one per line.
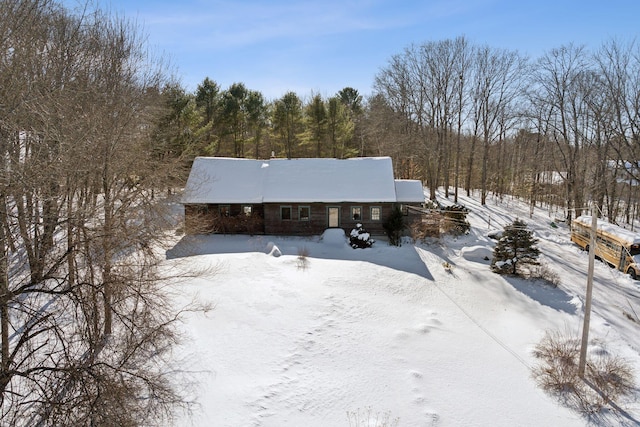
column 356, row 213
column 247, row 210
column 376, row 211
column 224, row 210
column 304, row 212
column 202, row 209
column 285, row 212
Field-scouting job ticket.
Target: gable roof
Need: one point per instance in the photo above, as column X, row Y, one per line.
column 409, row 191
column 220, row 180
column 229, row 180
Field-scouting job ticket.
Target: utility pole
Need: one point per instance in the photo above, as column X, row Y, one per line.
column 587, row 306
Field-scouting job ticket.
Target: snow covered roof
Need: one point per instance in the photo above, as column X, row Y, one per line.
column 220, row 180
column 363, row 179
column 409, row 191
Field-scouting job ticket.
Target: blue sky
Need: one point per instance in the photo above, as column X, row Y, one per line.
column 274, row 46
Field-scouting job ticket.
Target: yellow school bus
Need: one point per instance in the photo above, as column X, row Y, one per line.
column 617, row 246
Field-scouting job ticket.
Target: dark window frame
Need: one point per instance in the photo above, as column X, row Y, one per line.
column 353, row 214
column 308, row 217
column 201, row 209
column 224, row 210
column 282, row 209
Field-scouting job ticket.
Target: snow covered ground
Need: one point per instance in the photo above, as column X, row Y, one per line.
column 390, row 333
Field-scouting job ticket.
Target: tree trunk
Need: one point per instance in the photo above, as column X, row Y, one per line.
column 483, row 184
column 4, row 306
column 107, row 246
column 470, row 165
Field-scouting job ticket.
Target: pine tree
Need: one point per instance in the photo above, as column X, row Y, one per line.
column 515, row 248
column 394, row 225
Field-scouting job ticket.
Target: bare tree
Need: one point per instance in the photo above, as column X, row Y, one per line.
column 557, row 81
column 384, row 132
column 85, row 324
column 497, row 81
column 618, row 65
column 464, row 55
column 425, row 86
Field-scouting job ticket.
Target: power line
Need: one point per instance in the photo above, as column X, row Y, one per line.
column 482, row 328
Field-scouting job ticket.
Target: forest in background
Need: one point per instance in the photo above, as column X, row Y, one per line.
column 561, row 129
column 94, row 130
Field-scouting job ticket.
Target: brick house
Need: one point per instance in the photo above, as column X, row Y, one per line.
column 294, row 196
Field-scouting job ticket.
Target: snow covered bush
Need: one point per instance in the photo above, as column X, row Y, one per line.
column 515, row 249
column 360, row 238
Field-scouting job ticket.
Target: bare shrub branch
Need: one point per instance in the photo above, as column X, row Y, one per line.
column 607, row 378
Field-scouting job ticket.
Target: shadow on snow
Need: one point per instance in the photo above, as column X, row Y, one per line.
column 404, row 258
column 545, row 294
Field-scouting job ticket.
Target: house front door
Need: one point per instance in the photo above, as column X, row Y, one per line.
column 333, row 216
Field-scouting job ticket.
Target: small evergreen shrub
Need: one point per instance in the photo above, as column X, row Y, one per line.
column 394, row 225
column 360, row 238
column 515, row 249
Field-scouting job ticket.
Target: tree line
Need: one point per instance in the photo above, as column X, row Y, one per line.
column 239, row 122
column 560, row 129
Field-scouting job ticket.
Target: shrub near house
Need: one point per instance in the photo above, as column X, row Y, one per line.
column 360, row 238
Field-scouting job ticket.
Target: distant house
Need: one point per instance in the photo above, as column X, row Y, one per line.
column 294, row 196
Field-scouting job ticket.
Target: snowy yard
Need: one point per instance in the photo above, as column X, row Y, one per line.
column 390, row 331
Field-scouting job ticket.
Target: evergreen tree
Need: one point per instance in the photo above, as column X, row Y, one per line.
column 257, row 111
column 176, row 133
column 315, row 123
column 234, row 116
column 287, row 121
column 207, row 99
column 515, row 248
column 340, row 128
column 394, row 225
